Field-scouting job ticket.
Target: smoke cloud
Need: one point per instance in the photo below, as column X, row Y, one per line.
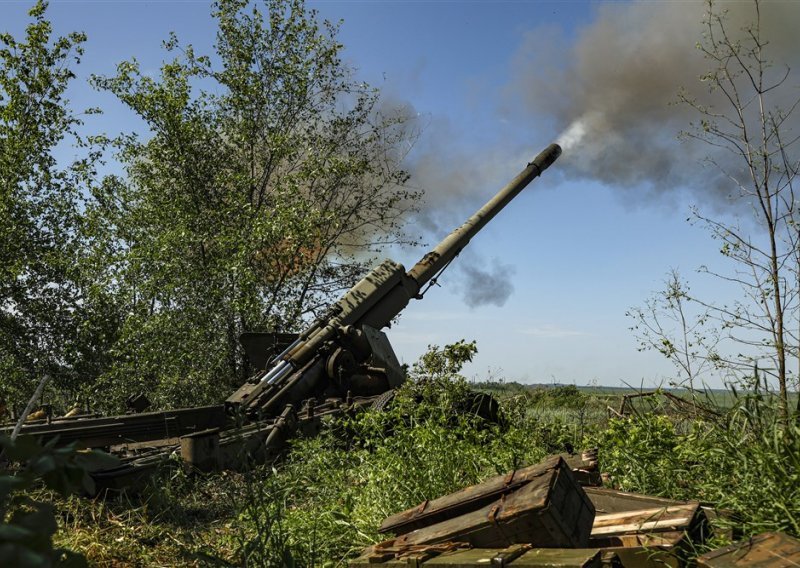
column 612, row 90
column 455, row 182
column 609, row 94
column 455, row 185
column 482, row 285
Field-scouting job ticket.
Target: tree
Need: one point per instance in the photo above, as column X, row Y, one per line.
column 669, row 324
column 267, row 174
column 41, row 294
column 746, row 119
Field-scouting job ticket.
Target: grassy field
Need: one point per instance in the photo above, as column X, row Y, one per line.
column 321, row 504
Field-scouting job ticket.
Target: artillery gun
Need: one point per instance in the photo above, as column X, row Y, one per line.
column 346, row 349
column 343, row 359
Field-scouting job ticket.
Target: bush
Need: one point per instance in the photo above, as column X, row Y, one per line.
column 746, row 462
column 27, row 525
column 335, row 489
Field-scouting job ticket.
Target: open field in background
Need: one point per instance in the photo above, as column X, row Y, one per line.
column 612, row 396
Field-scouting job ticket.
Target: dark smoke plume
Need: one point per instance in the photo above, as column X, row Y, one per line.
column 612, row 91
column 482, row 285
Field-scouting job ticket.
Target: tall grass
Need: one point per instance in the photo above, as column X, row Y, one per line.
column 746, row 461
column 323, row 503
column 339, row 486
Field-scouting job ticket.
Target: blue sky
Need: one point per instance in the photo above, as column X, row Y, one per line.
column 578, row 251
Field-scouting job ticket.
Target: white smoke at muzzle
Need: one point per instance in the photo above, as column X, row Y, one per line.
column 613, row 90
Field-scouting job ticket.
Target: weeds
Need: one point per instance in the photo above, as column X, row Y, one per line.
column 746, row 461
column 323, row 503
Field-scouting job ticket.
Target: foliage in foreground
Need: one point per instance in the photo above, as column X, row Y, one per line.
column 747, row 462
column 27, row 525
column 336, row 489
column 322, row 505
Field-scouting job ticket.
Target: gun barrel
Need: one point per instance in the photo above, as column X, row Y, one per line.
column 449, row 248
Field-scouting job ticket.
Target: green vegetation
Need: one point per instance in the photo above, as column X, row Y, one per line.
column 27, row 525
column 322, row 503
column 267, row 178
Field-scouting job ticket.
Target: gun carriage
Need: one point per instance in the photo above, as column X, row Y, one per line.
column 340, row 362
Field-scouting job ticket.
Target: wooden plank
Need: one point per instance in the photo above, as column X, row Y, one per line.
column 767, row 550
column 607, row 500
column 478, row 557
column 645, row 520
column 560, row 558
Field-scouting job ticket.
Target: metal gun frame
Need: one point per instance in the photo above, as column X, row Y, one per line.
column 343, row 359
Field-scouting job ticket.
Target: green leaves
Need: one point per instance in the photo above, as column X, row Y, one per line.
column 41, row 283
column 266, row 177
column 27, row 526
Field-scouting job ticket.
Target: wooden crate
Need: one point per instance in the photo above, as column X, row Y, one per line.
column 465, row 500
column 612, row 501
column 768, row 550
column 652, row 537
column 551, row 511
column 517, row 555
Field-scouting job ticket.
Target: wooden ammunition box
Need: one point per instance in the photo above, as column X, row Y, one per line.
column 560, row 558
column 551, row 511
column 464, row 501
column 516, row 555
column 768, row 550
column 654, row 536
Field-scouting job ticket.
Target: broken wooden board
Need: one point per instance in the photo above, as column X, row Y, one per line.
column 585, row 467
column 768, row 550
column 607, row 500
column 610, row 502
column 537, row 557
column 648, row 551
column 550, row 510
column 561, row 558
column 479, row 557
column 657, row 536
column 652, row 520
column 387, row 555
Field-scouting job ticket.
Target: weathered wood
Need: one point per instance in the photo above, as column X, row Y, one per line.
column 465, row 500
column 767, row 550
column 560, row 558
column 659, row 519
column 445, row 556
column 583, row 467
column 550, row 510
column 612, row 501
column 479, row 557
column 646, row 557
column 404, row 555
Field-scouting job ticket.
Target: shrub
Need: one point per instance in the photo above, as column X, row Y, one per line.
column 746, row 462
column 335, row 489
column 27, row 525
